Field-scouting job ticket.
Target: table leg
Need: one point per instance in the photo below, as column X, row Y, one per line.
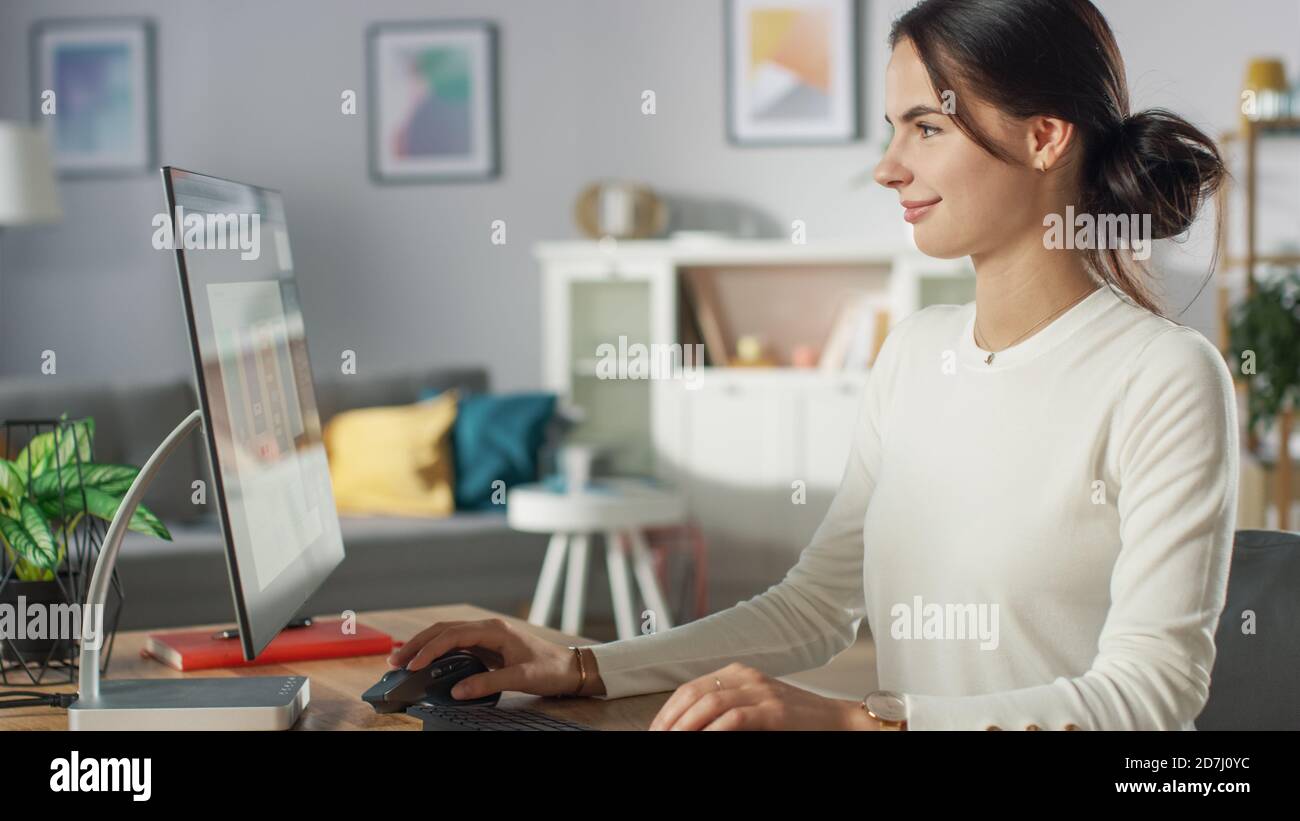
column 645, row 577
column 619, row 589
column 548, row 583
column 575, row 585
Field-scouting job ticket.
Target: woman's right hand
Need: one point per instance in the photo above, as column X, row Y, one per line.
column 516, row 660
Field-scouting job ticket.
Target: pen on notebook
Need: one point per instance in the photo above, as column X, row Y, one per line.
column 305, row 621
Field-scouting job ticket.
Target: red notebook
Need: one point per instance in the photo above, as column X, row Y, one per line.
column 198, row 650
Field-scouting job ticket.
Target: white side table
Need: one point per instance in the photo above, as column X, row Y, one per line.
column 618, row 508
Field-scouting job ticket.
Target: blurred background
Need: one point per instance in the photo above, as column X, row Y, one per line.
column 481, row 195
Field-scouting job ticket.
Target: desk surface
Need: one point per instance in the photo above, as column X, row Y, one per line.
column 337, row 684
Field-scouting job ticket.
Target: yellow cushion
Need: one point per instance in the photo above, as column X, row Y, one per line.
column 393, row 460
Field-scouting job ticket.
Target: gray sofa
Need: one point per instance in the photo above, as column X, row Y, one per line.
column 390, row 561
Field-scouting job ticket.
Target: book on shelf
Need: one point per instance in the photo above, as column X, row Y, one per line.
column 703, row 302
column 856, row 335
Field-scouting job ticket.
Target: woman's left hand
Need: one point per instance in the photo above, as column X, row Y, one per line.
column 751, row 700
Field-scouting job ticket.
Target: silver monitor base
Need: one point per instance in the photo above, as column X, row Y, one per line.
column 234, row 703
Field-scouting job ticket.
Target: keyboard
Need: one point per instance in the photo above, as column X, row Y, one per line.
column 439, row 718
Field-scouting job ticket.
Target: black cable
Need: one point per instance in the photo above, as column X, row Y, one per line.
column 60, row 700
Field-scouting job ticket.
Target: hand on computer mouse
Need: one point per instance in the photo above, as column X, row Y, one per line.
column 520, row 661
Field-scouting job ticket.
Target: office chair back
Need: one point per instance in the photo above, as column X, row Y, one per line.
column 1255, row 684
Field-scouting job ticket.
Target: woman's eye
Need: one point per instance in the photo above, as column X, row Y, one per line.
column 932, row 130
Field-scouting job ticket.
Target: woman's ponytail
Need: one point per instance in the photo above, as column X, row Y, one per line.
column 1153, row 162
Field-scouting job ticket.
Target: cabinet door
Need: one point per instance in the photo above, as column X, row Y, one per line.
column 738, row 456
column 593, row 302
column 740, row 442
column 740, row 434
column 829, row 413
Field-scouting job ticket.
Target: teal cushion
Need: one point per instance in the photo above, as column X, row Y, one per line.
column 497, row 437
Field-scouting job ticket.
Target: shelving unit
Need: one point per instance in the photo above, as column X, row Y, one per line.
column 1249, row 136
column 594, row 293
column 737, row 443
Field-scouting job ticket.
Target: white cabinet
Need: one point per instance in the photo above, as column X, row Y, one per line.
column 738, row 431
column 758, row 452
column 759, row 456
column 738, row 456
column 829, row 411
column 589, row 301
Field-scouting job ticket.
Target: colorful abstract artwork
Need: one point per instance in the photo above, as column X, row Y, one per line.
column 792, row 71
column 93, row 93
column 433, row 94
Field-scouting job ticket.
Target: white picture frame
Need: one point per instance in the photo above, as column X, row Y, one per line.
column 433, row 110
column 793, row 72
column 93, row 94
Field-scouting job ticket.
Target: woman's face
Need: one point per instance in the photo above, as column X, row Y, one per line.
column 968, row 202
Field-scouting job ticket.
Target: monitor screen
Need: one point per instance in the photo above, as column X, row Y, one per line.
column 272, row 484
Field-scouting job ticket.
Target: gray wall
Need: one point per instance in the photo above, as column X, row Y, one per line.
column 406, row 275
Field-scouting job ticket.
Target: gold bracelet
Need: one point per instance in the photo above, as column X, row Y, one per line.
column 582, row 670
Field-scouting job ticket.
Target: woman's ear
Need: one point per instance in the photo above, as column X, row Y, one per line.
column 1047, row 141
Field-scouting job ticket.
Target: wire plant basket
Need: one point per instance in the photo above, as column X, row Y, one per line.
column 44, row 606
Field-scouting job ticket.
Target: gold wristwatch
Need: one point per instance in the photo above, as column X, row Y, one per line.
column 888, row 708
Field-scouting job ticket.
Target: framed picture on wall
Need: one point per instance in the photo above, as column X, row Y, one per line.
column 93, row 93
column 793, row 71
column 432, row 101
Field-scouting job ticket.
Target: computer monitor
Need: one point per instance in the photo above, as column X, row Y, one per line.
column 271, row 477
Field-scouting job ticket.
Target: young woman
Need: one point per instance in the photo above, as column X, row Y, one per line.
column 1056, row 459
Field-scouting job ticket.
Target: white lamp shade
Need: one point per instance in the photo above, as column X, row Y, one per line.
column 28, row 193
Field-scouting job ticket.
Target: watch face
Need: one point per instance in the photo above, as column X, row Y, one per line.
column 887, row 706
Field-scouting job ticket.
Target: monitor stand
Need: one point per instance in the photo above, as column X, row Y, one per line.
column 231, row 703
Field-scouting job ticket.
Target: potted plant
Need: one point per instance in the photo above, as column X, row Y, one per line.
column 1264, row 337
column 46, row 493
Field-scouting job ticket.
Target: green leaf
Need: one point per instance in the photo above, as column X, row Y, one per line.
column 31, row 573
column 34, row 521
column 73, row 438
column 30, row 537
column 31, row 457
column 104, row 506
column 112, row 479
column 11, row 482
column 40, row 453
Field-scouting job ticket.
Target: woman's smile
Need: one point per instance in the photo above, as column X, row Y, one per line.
column 913, row 210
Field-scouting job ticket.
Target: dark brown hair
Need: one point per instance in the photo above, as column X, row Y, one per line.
column 1059, row 58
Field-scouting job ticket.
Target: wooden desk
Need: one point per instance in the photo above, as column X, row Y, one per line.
column 337, row 684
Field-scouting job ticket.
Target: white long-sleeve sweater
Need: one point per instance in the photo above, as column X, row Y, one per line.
column 1079, row 494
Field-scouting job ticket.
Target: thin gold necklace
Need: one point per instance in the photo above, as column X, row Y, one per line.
column 989, row 360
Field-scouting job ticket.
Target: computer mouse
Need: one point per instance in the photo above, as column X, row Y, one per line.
column 400, row 688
